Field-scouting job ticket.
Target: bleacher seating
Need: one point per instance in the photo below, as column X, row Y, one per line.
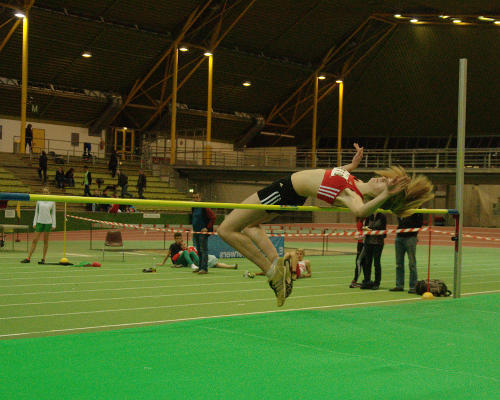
column 19, row 174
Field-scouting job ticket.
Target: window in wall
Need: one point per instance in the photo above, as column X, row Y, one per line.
column 75, row 139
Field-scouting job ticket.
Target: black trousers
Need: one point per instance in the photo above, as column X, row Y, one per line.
column 359, row 262
column 140, row 190
column 200, row 241
column 373, row 252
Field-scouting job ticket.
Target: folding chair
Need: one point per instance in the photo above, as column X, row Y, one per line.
column 114, row 239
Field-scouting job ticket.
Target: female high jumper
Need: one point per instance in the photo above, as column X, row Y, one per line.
column 392, row 190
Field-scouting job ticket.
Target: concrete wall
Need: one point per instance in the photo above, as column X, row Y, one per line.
column 57, row 137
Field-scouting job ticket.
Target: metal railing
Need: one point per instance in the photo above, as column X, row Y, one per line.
column 372, row 159
column 60, row 149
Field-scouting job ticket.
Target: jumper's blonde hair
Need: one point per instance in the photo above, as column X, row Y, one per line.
column 418, row 192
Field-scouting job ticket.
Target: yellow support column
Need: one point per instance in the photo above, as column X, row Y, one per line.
column 315, row 122
column 339, row 136
column 24, row 84
column 65, row 205
column 173, row 123
column 209, row 110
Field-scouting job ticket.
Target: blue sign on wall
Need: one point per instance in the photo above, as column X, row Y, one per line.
column 221, row 249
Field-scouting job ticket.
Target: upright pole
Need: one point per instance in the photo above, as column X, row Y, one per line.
column 209, row 109
column 339, row 132
column 65, row 206
column 315, row 121
column 24, row 84
column 459, row 197
column 174, row 107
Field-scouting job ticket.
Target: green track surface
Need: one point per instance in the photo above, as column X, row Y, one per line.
column 104, row 333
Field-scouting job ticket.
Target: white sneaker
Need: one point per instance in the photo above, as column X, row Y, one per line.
column 194, row 267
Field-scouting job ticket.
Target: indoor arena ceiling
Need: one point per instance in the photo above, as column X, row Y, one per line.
column 403, row 85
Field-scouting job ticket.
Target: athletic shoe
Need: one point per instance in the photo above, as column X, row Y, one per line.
column 375, row 287
column 354, row 284
column 281, row 282
column 195, row 268
column 412, row 291
column 202, row 272
column 236, row 266
column 26, row 261
column 396, row 289
column 41, row 262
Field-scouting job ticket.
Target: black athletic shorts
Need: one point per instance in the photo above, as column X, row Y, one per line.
column 280, row 193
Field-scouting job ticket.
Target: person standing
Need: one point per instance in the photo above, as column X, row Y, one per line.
column 28, row 138
column 123, row 183
column 42, row 167
column 359, row 254
column 203, row 220
column 43, row 222
column 87, row 181
column 113, row 163
column 141, row 183
column 60, row 178
column 372, row 247
column 406, row 243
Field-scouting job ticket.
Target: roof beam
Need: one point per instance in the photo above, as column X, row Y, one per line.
column 338, row 62
column 215, row 39
column 192, row 18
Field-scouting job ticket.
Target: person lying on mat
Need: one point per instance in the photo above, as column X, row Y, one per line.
column 181, row 255
column 392, row 189
column 213, row 262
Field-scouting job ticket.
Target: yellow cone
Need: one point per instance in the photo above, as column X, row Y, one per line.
column 428, row 296
column 63, row 260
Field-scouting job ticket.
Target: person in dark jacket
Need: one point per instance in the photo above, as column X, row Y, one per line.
column 60, row 178
column 113, row 163
column 203, row 220
column 406, row 243
column 372, row 248
column 123, row 183
column 141, row 183
column 42, row 167
column 69, row 178
column 28, row 138
column 87, row 181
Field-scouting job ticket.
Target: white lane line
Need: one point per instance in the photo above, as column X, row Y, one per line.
column 170, row 306
column 246, row 281
column 78, row 255
column 132, row 324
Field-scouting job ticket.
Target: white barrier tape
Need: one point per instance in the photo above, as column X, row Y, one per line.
column 355, row 234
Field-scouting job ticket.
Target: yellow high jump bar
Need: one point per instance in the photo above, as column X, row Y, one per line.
column 189, row 204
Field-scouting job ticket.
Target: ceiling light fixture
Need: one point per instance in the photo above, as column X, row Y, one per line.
column 482, row 18
column 413, row 20
column 444, row 16
column 247, row 83
column 339, row 81
column 398, row 16
column 208, row 53
column 457, row 21
column 86, row 54
column 19, row 14
column 183, row 48
column 321, row 77
column 497, row 22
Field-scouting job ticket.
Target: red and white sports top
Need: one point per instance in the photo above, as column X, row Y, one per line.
column 334, row 181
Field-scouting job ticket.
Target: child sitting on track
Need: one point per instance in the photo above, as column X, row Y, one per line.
column 299, row 268
column 181, row 255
